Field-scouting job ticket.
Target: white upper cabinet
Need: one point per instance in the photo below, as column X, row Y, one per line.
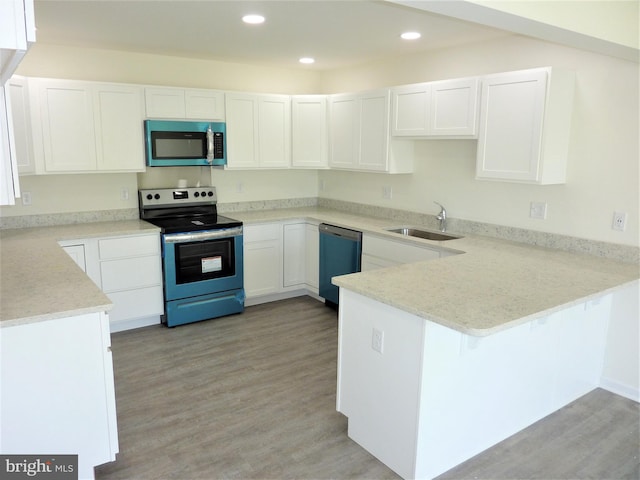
column 454, row 108
column 258, row 131
column 309, row 131
column 447, row 108
column 119, row 115
column 68, row 131
column 525, row 121
column 17, row 33
column 18, row 92
column 86, row 126
column 184, row 103
column 410, row 114
column 9, row 182
column 359, row 135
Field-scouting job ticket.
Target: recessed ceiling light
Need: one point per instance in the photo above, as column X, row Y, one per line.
column 307, row 60
column 253, row 19
column 410, row 36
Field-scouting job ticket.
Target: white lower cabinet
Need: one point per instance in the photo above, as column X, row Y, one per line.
column 380, row 252
column 76, row 252
column 280, row 260
column 128, row 270
column 61, row 399
column 262, row 259
column 294, row 259
column 312, row 253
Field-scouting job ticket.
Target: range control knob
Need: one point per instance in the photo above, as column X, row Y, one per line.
column 157, row 196
column 196, row 194
column 210, row 193
column 149, row 196
column 204, row 194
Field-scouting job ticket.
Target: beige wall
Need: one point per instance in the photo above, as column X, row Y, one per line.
column 603, row 174
column 603, row 164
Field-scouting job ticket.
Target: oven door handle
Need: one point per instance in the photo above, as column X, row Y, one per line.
column 202, row 236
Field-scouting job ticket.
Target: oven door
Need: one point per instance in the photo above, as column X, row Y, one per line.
column 202, row 263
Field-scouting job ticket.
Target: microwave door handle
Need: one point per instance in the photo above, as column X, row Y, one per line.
column 209, row 145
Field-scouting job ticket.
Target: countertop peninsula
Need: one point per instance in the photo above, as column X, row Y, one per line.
column 489, row 285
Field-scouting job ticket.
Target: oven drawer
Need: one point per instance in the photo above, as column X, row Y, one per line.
column 125, row 274
column 203, row 307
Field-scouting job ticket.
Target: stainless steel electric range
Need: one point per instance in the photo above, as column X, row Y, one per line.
column 202, row 254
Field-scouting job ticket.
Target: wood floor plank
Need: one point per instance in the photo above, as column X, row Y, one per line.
column 252, row 396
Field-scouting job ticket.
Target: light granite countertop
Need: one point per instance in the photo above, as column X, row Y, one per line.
column 39, row 281
column 490, row 285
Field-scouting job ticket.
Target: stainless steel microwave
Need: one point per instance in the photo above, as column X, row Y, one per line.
column 180, row 144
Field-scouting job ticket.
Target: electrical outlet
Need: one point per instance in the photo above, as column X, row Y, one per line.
column 240, row 187
column 619, row 221
column 322, row 185
column 377, row 340
column 26, row 198
column 387, row 192
column 124, row 193
column 538, row 210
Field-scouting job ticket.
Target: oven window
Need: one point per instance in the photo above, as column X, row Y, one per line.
column 205, row 260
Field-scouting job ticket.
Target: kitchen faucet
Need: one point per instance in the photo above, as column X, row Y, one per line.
column 442, row 216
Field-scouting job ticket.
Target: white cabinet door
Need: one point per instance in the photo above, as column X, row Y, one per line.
column 184, row 103
column 119, row 116
column 262, row 259
column 447, row 108
column 410, row 110
column 374, row 131
column 344, row 133
column 274, row 131
column 309, row 131
column 9, row 185
column 68, row 131
column 21, row 117
column 164, row 102
column 17, row 33
column 204, row 104
column 242, row 128
column 258, row 131
column 454, row 108
column 295, row 254
column 525, row 121
column 312, row 262
column 76, row 252
column 380, row 252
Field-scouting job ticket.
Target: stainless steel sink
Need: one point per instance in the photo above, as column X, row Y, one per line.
column 420, row 233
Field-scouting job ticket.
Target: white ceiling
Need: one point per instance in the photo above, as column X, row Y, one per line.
column 336, row 33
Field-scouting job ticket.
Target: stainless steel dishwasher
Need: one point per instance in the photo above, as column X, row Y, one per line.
column 340, row 253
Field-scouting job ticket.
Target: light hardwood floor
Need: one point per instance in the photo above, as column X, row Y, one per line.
column 252, row 396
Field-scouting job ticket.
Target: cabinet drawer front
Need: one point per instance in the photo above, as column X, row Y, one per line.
column 397, row 252
column 138, row 303
column 129, row 246
column 258, row 233
column 130, row 273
